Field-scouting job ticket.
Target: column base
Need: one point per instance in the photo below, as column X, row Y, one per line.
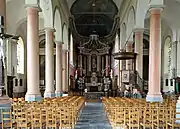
column 154, row 98
column 58, row 93
column 65, row 94
column 33, row 97
column 49, row 95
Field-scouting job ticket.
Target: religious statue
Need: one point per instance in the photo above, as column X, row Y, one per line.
column 103, row 72
column 76, row 74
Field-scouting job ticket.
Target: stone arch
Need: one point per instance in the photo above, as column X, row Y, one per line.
column 58, row 25
column 65, row 36
column 42, row 37
column 123, row 35
column 130, row 23
column 14, row 15
column 71, row 48
column 141, row 11
column 167, row 54
column 116, row 44
column 20, row 56
column 47, row 12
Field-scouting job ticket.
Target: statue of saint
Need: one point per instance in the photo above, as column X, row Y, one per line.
column 76, row 74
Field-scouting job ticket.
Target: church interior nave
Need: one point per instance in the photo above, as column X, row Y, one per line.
column 90, row 60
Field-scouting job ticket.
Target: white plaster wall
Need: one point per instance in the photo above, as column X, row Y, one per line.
column 14, row 14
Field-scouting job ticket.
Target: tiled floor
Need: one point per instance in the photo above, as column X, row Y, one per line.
column 93, row 117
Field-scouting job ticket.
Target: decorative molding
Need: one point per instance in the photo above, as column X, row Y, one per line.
column 59, row 42
column 46, row 4
column 49, row 29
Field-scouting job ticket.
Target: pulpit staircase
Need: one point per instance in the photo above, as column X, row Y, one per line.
column 136, row 81
column 139, row 82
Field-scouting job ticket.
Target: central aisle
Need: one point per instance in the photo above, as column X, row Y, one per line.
column 93, row 117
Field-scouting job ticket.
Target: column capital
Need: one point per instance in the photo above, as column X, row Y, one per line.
column 138, row 30
column 49, row 29
column 59, row 42
column 31, row 6
column 13, row 41
column 156, row 9
column 65, row 50
column 129, row 43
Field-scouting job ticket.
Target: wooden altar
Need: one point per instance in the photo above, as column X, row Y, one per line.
column 94, row 65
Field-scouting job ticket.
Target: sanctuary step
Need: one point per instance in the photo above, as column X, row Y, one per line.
column 93, row 117
column 93, row 95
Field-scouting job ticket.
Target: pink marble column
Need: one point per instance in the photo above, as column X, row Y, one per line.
column 154, row 93
column 129, row 48
column 64, row 71
column 139, row 51
column 107, row 65
column 49, row 68
column 33, row 93
column 58, row 91
column 67, row 69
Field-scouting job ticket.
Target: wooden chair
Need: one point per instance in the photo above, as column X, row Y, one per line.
column 134, row 118
column 120, row 118
column 65, row 117
column 23, row 120
column 36, row 118
column 6, row 118
column 160, row 118
column 51, row 118
column 174, row 121
column 147, row 118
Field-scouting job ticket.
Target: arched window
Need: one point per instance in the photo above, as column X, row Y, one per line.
column 20, row 56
